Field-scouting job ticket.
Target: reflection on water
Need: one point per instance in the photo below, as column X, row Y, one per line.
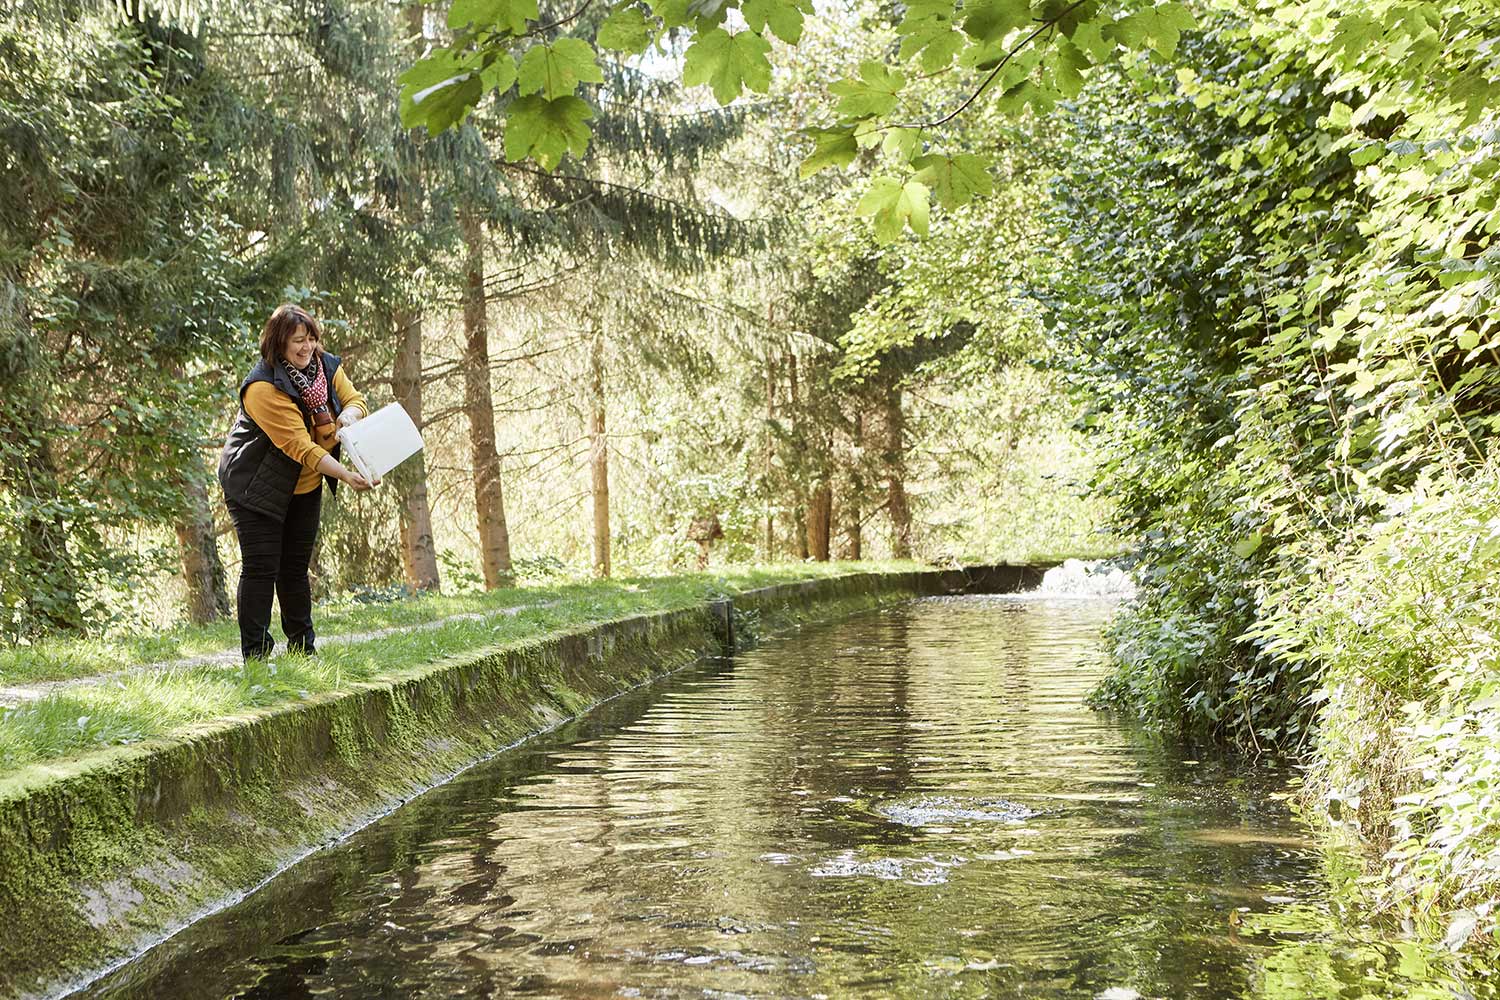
column 908, row 803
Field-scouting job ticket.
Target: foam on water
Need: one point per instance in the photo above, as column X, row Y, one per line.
column 913, row 871
column 941, row 811
column 1077, row 578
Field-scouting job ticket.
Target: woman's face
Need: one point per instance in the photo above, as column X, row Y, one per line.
column 299, row 347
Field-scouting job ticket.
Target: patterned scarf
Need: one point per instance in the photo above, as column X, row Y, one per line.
column 314, row 390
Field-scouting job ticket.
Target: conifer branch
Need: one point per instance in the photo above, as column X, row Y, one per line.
column 734, row 111
column 635, row 191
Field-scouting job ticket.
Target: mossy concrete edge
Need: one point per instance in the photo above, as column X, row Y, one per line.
column 104, row 856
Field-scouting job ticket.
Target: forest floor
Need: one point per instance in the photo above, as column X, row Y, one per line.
column 62, row 697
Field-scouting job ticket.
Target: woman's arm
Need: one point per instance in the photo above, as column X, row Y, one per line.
column 275, row 413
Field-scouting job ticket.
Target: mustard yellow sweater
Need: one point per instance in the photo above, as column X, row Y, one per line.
column 280, row 417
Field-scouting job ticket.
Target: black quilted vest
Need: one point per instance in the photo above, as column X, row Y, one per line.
column 253, row 471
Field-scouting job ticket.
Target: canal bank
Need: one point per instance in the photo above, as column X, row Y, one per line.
column 104, row 854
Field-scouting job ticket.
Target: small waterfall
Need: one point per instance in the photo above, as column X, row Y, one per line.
column 1077, row 578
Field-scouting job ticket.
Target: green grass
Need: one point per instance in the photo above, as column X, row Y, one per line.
column 79, row 719
column 67, row 659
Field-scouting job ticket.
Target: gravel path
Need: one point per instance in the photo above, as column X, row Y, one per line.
column 230, row 658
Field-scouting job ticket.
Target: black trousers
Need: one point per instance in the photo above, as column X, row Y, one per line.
column 273, row 559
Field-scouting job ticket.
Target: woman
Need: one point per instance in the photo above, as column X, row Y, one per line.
column 279, row 451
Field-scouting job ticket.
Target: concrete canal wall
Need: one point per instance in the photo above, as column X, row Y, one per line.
column 104, row 855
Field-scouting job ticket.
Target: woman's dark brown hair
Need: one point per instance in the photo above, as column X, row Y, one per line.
column 282, row 326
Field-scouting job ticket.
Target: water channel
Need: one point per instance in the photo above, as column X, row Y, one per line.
column 913, row 802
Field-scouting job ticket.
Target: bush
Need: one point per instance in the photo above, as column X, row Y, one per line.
column 1407, row 759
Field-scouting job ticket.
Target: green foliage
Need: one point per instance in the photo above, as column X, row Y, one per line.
column 1296, row 333
column 963, row 286
column 111, row 308
column 993, row 20
column 1276, row 291
column 1160, row 26
column 956, row 180
column 834, row 148
column 503, row 15
column 1401, row 623
column 1030, row 54
column 442, row 89
column 783, row 17
column 556, row 69
column 934, row 41
column 874, row 93
column 625, row 30
column 1173, row 245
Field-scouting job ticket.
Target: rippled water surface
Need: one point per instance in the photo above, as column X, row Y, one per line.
column 908, row 803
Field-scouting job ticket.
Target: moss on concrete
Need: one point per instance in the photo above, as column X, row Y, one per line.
column 102, row 855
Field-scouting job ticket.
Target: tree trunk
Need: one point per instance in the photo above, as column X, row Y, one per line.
column 418, row 552
column 853, row 535
column 418, row 548
column 197, row 545
column 489, row 501
column 851, row 513
column 819, row 520
column 202, row 571
column 599, row 456
column 799, row 509
column 416, row 24
column 895, row 469
column 770, row 454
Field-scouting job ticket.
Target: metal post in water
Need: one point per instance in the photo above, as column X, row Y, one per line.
column 722, row 612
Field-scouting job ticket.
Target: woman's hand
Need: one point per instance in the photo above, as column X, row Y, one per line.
column 350, row 416
column 330, row 466
column 358, row 482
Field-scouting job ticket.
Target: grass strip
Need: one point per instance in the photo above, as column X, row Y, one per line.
column 139, row 706
column 57, row 659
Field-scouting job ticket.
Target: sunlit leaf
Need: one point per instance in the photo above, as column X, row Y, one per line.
column 872, row 93
column 625, row 30
column 956, row 180
column 783, row 17
column 546, row 130
column 728, row 63
column 556, row 69
column 833, row 147
column 894, row 205
column 501, row 15
column 439, row 91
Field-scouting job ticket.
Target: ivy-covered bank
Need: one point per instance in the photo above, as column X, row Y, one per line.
column 1275, row 278
column 103, row 853
column 1402, row 624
